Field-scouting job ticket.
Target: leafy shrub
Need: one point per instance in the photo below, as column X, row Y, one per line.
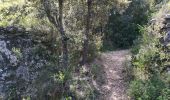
column 150, row 61
column 123, row 26
column 153, row 89
column 165, row 94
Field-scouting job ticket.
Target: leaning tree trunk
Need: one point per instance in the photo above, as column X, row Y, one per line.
column 87, row 32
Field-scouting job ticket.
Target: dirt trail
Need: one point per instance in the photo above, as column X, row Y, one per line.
column 115, row 85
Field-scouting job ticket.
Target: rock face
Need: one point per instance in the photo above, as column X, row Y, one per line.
column 167, row 29
column 163, row 22
column 19, row 62
column 167, row 38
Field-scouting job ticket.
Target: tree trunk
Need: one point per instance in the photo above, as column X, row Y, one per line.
column 63, row 36
column 86, row 35
column 57, row 21
column 64, row 48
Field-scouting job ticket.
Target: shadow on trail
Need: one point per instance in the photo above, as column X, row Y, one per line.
column 110, row 79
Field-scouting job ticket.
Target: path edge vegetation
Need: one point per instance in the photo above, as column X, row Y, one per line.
column 150, row 81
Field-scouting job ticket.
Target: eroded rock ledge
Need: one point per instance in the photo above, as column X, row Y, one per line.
column 20, row 62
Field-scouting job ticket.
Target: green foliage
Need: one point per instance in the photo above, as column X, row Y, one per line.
column 123, row 26
column 120, row 32
column 59, row 77
column 68, row 98
column 153, row 89
column 165, row 94
column 149, row 62
column 17, row 52
column 16, row 12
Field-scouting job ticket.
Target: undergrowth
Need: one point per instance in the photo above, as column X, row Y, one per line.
column 150, row 60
